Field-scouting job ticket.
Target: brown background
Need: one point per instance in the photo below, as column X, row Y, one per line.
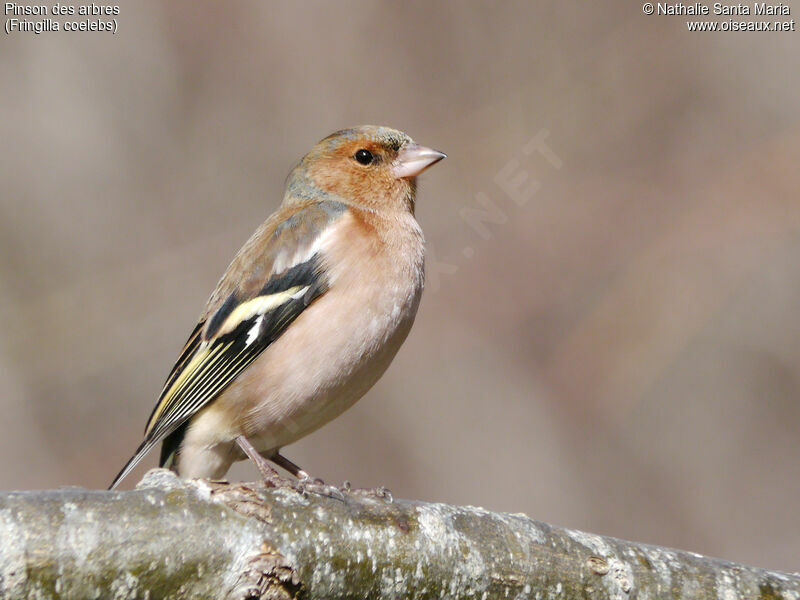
column 618, row 354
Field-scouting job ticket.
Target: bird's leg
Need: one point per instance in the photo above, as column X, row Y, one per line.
column 285, row 463
column 270, row 475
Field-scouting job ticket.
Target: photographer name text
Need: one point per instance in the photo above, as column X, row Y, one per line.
column 718, row 8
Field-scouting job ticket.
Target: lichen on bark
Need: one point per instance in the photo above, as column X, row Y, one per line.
column 180, row 539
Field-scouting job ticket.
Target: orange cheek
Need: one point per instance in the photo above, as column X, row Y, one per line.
column 325, row 175
column 338, row 177
column 371, row 187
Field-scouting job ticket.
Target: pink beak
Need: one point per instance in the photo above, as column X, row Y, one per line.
column 413, row 159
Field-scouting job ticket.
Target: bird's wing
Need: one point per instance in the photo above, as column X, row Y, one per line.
column 275, row 276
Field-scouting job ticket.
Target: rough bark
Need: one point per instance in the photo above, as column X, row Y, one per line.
column 174, row 539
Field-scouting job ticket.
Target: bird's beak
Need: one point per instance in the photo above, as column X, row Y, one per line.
column 413, row 159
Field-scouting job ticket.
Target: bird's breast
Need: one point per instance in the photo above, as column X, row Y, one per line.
column 341, row 344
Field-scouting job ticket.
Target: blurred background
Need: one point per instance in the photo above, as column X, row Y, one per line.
column 609, row 339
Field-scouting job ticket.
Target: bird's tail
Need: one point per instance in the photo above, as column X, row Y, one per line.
column 171, row 446
column 143, row 449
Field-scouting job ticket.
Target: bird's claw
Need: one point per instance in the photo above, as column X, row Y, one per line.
column 309, row 485
column 380, row 492
column 319, row 487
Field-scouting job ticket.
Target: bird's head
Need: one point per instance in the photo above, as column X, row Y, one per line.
column 372, row 167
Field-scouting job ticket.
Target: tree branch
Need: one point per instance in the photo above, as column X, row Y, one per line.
column 197, row 539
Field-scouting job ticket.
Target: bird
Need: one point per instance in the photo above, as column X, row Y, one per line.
column 307, row 316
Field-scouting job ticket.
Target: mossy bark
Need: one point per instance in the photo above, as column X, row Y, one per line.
column 174, row 539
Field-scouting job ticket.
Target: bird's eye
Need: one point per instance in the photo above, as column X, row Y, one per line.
column 364, row 156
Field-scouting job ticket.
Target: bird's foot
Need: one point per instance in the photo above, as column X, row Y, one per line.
column 308, row 485
column 382, row 493
column 304, row 485
column 269, row 476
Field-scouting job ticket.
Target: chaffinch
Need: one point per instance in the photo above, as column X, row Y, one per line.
column 308, row 315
